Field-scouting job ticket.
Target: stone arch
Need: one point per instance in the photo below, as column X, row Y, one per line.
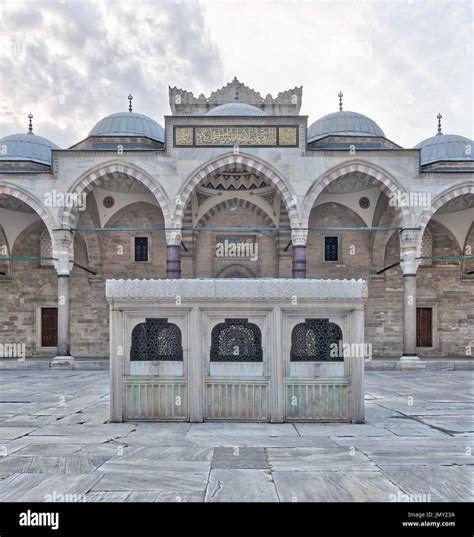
column 387, row 181
column 47, row 290
column 468, row 264
column 438, row 202
column 235, row 201
column 93, row 243
column 94, row 177
column 426, row 292
column 229, row 272
column 379, row 239
column 32, row 202
column 5, row 266
column 248, row 161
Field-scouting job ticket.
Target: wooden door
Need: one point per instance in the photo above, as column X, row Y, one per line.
column 49, row 327
column 424, row 327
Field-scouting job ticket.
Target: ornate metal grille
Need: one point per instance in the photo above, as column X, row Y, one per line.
column 141, row 248
column 331, row 249
column 156, row 339
column 236, row 340
column 312, row 340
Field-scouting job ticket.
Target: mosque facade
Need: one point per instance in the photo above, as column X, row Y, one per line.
column 237, row 185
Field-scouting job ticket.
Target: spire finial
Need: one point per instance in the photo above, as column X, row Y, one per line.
column 130, row 99
column 30, row 123
column 439, row 116
column 340, row 95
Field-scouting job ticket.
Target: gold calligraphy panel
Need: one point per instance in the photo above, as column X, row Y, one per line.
column 232, row 136
column 183, row 135
column 287, row 136
column 236, row 136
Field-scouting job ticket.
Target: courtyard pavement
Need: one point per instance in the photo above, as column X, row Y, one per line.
column 56, row 445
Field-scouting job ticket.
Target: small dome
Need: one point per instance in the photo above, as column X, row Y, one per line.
column 27, row 147
column 236, row 109
column 443, row 147
column 344, row 124
column 129, row 124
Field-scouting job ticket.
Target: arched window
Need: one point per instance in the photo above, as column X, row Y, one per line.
column 46, row 249
column 314, row 339
column 156, row 339
column 236, row 340
column 236, row 271
column 426, row 247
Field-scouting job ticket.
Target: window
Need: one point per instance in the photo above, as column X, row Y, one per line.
column 426, row 247
column 236, row 340
column 156, row 339
column 316, row 340
column 46, row 249
column 141, row 249
column 331, row 249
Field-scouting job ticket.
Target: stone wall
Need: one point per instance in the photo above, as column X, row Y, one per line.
column 25, row 288
column 109, row 254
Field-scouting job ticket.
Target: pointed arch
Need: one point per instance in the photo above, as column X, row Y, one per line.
column 250, row 162
column 5, row 266
column 255, row 205
column 235, row 271
column 387, row 181
column 440, row 200
column 96, row 176
column 32, row 202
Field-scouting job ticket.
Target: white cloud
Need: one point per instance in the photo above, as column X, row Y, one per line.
column 399, row 62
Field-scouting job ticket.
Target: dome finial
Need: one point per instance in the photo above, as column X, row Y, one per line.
column 130, row 99
column 30, row 123
column 340, row 95
column 439, row 116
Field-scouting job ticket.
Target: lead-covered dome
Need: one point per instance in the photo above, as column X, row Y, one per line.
column 444, row 148
column 236, row 109
column 27, row 147
column 129, row 124
column 344, row 124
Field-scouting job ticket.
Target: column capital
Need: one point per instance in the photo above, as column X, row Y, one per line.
column 299, row 237
column 409, row 243
column 173, row 237
column 409, row 237
column 63, row 241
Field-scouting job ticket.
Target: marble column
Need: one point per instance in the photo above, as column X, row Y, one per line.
column 63, row 316
column 173, row 261
column 409, row 265
column 298, row 238
column 62, row 243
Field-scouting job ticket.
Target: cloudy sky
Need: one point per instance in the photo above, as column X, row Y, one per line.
column 71, row 62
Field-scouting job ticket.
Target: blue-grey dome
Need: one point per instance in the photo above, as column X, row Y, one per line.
column 129, row 124
column 343, row 124
column 443, row 147
column 27, row 147
column 236, row 109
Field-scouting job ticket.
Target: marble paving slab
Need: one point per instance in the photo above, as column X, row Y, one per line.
column 151, row 481
column 40, row 487
column 238, row 485
column 331, row 486
column 441, row 483
column 319, row 459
